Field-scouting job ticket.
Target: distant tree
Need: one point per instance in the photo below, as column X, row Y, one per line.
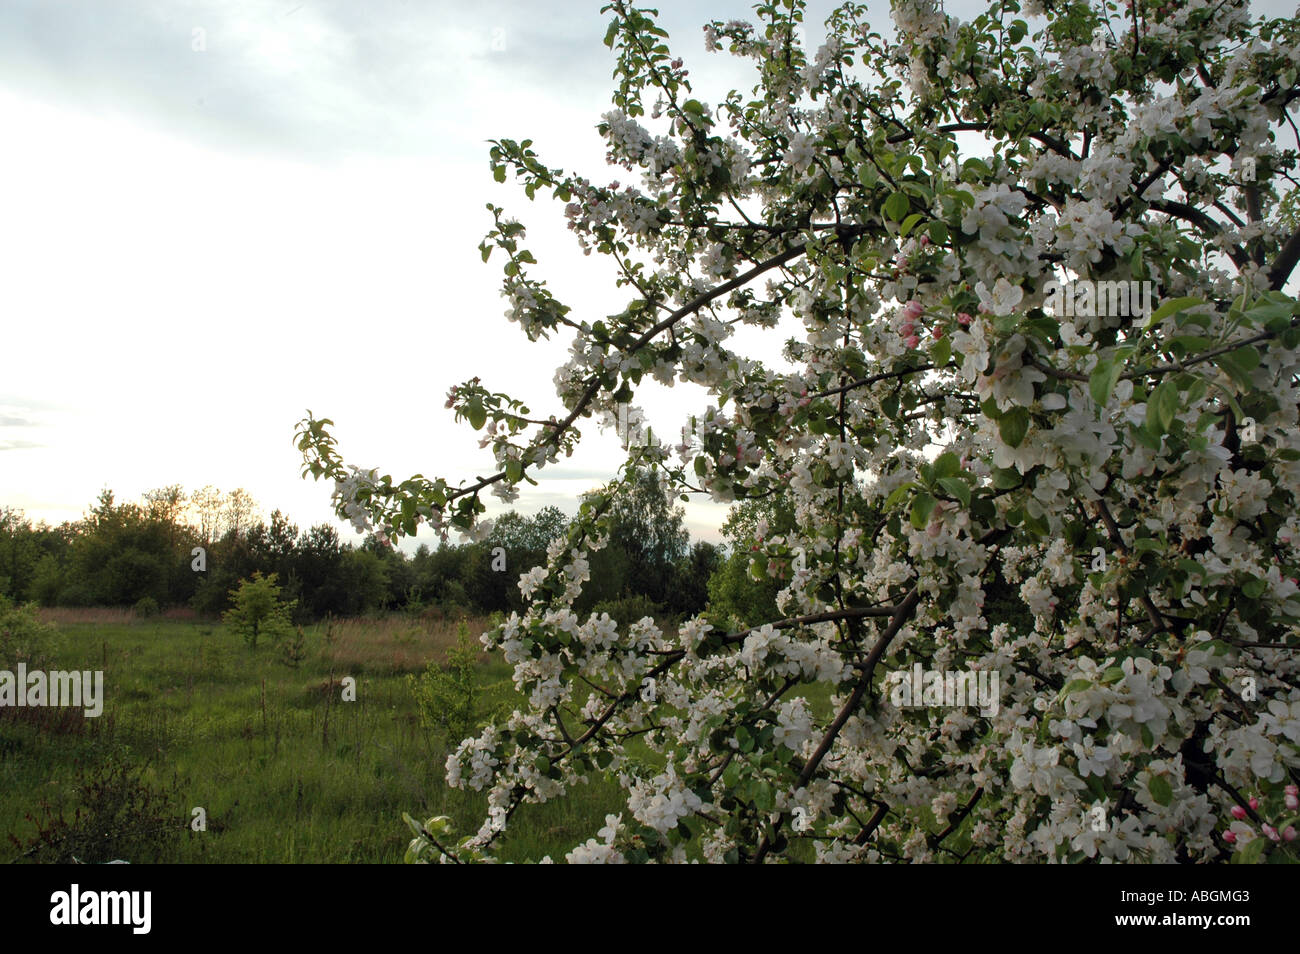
column 733, row 590
column 166, row 504
column 319, row 569
column 517, row 532
column 524, row 540
column 121, row 553
column 207, row 510
column 690, row 591
column 272, row 548
column 20, row 552
column 240, row 511
column 647, row 529
column 364, row 582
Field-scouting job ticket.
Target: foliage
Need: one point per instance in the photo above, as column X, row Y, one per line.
column 146, row 607
column 258, row 611
column 448, row 694
column 120, row 815
column 23, row 637
column 745, row 597
column 294, row 651
column 982, row 409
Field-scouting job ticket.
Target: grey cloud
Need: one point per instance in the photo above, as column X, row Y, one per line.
column 311, row 79
column 322, row 79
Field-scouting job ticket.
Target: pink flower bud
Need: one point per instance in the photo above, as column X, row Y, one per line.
column 963, row 319
column 1289, row 834
column 925, row 240
column 912, row 341
column 1292, row 790
column 1238, row 812
column 907, row 330
column 938, row 333
column 1230, row 837
column 913, row 309
column 1292, row 802
column 1254, row 803
column 1271, row 833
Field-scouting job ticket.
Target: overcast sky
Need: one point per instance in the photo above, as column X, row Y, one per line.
column 216, row 215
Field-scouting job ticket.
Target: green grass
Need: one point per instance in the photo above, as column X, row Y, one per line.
column 245, row 737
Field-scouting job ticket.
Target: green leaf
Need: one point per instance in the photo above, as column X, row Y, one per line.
column 1238, row 365
column 909, row 223
column 1249, row 855
column 477, row 414
column 1273, row 305
column 731, row 775
column 941, row 351
column 896, row 206
column 1160, row 789
column 1004, row 478
column 947, row 464
column 1103, row 380
column 897, row 497
column 1173, row 306
column 1162, row 406
column 958, row 488
column 1013, row 426
column 922, row 507
column 1075, row 685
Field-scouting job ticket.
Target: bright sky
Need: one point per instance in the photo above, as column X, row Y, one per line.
column 199, row 244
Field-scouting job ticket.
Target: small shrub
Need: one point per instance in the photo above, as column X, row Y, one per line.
column 447, row 695
column 23, row 637
column 119, row 815
column 146, row 607
column 294, row 651
column 258, row 610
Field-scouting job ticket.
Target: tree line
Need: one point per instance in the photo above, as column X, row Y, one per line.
column 142, row 555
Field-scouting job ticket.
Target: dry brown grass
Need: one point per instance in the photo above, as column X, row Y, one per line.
column 394, row 644
column 61, row 615
column 100, row 615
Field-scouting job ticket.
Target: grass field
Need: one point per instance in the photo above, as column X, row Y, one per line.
column 284, row 770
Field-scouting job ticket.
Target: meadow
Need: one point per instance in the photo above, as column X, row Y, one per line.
column 283, row 769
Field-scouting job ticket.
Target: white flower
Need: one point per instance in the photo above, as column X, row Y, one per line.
column 1003, row 299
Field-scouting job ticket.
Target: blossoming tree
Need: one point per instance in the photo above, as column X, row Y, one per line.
column 1131, row 479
